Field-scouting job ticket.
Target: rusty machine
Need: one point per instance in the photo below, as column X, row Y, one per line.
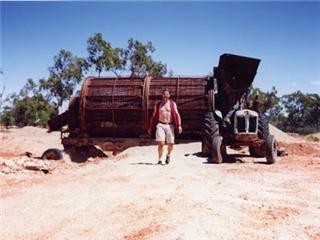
column 114, row 113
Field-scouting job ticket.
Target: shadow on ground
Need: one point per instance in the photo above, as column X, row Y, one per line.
column 82, row 154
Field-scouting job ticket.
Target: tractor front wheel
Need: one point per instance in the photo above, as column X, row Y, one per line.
column 271, row 149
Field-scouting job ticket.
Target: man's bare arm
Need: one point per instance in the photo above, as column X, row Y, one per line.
column 179, row 118
column 178, row 114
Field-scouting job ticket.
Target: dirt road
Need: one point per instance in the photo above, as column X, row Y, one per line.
column 129, row 197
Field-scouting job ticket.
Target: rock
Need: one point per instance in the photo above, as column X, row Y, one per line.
column 20, row 162
column 6, row 170
column 281, row 152
column 10, row 163
column 28, row 154
column 36, row 166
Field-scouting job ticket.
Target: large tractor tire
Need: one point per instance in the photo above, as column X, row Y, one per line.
column 210, row 128
column 263, row 133
column 211, row 140
column 52, row 154
column 263, row 126
column 271, row 149
column 257, row 151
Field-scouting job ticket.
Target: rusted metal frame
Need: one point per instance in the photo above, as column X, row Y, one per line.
column 182, row 83
column 118, row 84
column 82, row 108
column 101, row 81
column 177, row 89
column 193, row 99
column 145, row 101
column 113, row 107
column 111, row 86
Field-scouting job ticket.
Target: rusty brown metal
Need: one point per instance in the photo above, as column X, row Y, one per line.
column 145, row 104
column 82, row 109
column 122, row 107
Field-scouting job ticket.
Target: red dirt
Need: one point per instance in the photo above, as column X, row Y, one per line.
column 129, row 197
column 301, row 149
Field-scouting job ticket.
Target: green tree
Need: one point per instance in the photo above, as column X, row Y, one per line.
column 314, row 110
column 102, row 56
column 29, row 107
column 294, row 107
column 32, row 110
column 7, row 118
column 68, row 70
column 303, row 112
column 268, row 101
column 139, row 62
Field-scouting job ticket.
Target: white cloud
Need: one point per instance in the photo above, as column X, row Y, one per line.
column 317, row 83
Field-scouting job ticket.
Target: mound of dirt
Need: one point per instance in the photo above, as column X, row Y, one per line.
column 301, row 149
column 280, row 135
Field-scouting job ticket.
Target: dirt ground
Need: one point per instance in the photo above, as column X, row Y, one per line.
column 130, row 197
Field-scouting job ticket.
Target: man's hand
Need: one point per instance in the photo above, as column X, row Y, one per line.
column 180, row 129
column 149, row 131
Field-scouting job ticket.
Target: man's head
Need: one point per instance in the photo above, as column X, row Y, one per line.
column 165, row 94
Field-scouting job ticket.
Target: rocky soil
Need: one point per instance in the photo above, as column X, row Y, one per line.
column 129, row 197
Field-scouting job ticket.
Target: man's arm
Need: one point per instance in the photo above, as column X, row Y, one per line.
column 179, row 118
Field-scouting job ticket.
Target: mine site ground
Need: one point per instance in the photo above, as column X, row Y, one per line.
column 129, row 196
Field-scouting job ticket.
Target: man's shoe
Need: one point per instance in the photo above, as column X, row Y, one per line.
column 168, row 160
column 159, row 162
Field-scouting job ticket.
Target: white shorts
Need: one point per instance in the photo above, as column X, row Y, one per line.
column 165, row 133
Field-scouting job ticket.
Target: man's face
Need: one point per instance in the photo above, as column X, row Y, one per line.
column 165, row 95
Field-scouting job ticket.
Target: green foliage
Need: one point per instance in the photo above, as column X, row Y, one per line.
column 268, row 101
column 65, row 74
column 295, row 112
column 33, row 111
column 7, row 118
column 29, row 107
column 303, row 111
column 135, row 59
column 139, row 62
column 43, row 116
column 102, row 56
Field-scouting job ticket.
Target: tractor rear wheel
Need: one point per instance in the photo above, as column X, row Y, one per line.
column 257, row 151
column 210, row 128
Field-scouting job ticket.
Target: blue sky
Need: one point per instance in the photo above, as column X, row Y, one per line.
column 189, row 36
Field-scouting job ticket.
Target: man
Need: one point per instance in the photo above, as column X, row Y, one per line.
column 166, row 121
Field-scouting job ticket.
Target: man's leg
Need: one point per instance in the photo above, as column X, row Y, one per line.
column 170, row 142
column 160, row 138
column 160, row 151
column 170, row 147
